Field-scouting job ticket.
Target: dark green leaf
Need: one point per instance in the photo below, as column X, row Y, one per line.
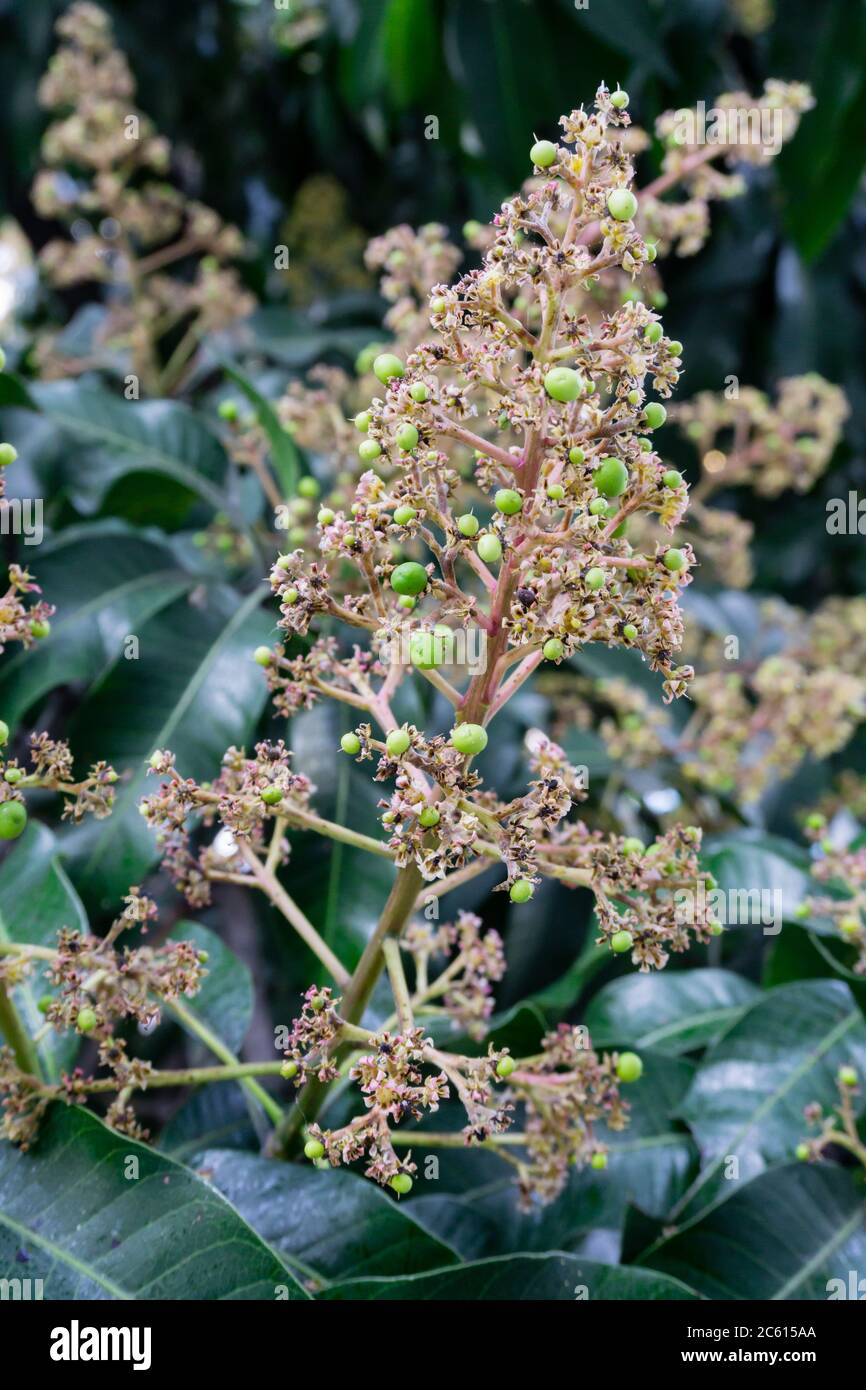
column 325, row 1225
column 98, row 1215
column 674, row 1012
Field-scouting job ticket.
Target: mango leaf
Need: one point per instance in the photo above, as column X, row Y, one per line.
column 217, row 1115
column 329, row 1225
column 194, row 689
column 224, row 1004
column 523, row 1278
column 93, row 1224
column 36, row 900
column 107, row 580
column 161, row 439
column 674, row 1012
column 785, row 1235
column 747, row 1099
column 763, row 879
column 284, row 452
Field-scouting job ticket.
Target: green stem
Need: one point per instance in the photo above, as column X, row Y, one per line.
column 218, row 1048
column 13, row 1031
column 399, row 988
column 190, row 1076
column 398, row 909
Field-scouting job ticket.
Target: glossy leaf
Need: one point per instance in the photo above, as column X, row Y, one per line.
column 673, row 1012
column 96, row 1215
column 326, row 1225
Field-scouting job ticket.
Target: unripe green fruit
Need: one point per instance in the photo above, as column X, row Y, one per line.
column 847, row 1076
column 674, row 560
column 13, row 775
column 429, row 817
column 467, row 525
column 598, row 507
column 815, row 821
column 427, row 650
column 362, row 421
column 632, row 845
column 325, row 516
column 291, row 597
column 598, row 1162
column 563, row 384
column 651, row 251
column 418, row 392
column 45, row 1003
column 403, row 515
column 13, row 818
column 471, row 229
column 505, row 1066
column 228, row 410
column 409, row 578
column 629, row 1067
column 288, row 1070
column 716, row 929
column 521, row 890
column 397, row 742
column 655, row 415
column 576, row 455
column 407, row 602
column 401, row 1183
column 611, row 477
column 552, row 649
column 675, row 348
column 629, row 632
column 621, row 204
column 633, row 397
column 646, row 445
column 508, row 501
column 272, row 796
column 407, row 437
column 369, row 449
column 555, row 492
column 439, row 305
column 802, row 1152
column 8, row 454
column 262, row 656
column 594, row 578
column 387, row 366
column 40, row 627
column 653, row 332
column 672, row 478
column 469, row 739
column 621, row 941
column 543, row 154
column 86, row 1020
column 314, row 1149
column 849, row 925
column 658, row 299
column 619, row 99
column 350, row 743
column 489, row 549
column 308, row 486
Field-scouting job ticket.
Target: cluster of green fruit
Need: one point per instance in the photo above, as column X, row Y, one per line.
column 13, row 814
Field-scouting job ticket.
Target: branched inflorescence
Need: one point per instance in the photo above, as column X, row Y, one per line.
column 105, row 168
